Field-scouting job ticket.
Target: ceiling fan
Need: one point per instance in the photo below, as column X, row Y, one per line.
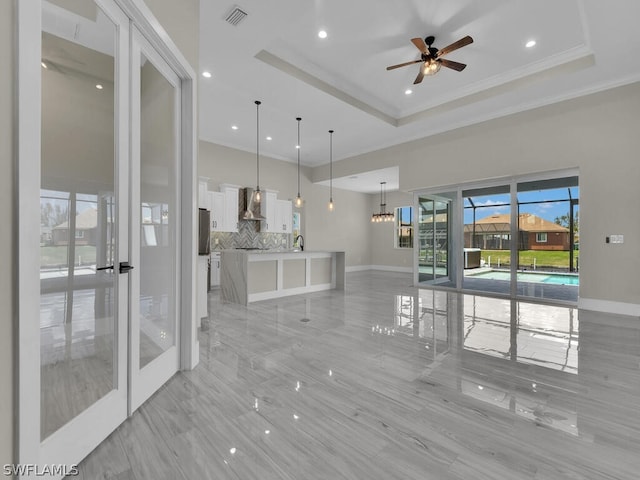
column 431, row 57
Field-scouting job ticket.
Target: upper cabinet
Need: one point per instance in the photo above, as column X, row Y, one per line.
column 278, row 214
column 216, row 205
column 224, row 208
column 268, row 209
column 285, row 215
column 203, row 188
column 230, row 193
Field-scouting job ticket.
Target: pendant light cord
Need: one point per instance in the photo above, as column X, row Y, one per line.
column 331, row 165
column 258, row 102
column 299, row 147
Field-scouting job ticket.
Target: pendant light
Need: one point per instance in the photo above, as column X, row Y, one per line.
column 298, row 147
column 257, row 195
column 383, row 216
column 331, row 170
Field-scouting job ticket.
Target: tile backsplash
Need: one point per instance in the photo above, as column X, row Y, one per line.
column 249, row 236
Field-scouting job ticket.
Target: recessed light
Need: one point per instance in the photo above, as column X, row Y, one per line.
column 234, row 127
column 298, row 147
column 206, row 74
column 269, row 138
column 322, row 34
column 408, row 91
column 530, row 43
column 99, row 87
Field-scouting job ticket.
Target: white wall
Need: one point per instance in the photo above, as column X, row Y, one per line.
column 8, row 292
column 598, row 134
column 346, row 229
column 181, row 21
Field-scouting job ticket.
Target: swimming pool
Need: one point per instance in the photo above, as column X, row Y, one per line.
column 549, row 278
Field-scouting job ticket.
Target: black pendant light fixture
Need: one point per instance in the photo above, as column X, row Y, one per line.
column 331, row 171
column 298, row 201
column 257, row 195
column 383, row 216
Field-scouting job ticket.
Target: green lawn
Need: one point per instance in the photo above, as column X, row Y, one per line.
column 56, row 256
column 557, row 259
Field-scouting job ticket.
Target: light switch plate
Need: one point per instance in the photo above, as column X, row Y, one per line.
column 617, row 238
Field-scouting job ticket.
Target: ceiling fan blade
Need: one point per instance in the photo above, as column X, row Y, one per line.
column 457, row 66
column 420, row 45
column 403, row 64
column 454, row 46
column 420, row 76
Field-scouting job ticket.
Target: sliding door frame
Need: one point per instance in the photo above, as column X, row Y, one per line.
column 457, row 226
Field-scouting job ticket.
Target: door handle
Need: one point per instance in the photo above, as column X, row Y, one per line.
column 125, row 267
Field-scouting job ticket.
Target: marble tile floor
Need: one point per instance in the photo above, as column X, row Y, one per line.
column 386, row 381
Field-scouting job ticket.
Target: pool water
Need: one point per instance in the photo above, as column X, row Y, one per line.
column 549, row 278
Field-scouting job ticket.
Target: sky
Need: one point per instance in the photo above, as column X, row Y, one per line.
column 490, row 204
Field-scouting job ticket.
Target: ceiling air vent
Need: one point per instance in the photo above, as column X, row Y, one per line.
column 235, row 16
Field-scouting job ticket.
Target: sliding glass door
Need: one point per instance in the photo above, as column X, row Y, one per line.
column 517, row 238
column 433, row 239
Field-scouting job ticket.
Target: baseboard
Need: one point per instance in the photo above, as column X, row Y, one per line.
column 357, row 268
column 607, row 306
column 384, row 268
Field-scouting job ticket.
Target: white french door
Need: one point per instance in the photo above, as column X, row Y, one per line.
column 106, row 188
column 155, row 175
column 84, row 230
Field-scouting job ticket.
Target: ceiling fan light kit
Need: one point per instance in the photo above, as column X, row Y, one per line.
column 431, row 57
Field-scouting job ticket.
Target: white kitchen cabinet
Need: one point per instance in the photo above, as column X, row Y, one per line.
column 215, row 269
column 230, row 193
column 217, row 205
column 284, row 216
column 269, row 210
column 203, row 188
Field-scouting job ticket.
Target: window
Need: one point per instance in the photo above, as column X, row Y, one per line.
column 404, row 227
column 541, row 237
column 79, row 234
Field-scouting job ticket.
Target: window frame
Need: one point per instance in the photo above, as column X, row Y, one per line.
column 398, row 226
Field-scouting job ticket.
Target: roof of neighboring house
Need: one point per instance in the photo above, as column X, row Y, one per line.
column 85, row 220
column 528, row 222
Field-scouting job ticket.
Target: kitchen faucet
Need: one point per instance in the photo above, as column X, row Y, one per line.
column 301, row 242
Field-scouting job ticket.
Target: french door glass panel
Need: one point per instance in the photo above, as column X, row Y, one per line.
column 82, row 305
column 156, row 106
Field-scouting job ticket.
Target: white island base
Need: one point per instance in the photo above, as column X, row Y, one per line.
column 249, row 276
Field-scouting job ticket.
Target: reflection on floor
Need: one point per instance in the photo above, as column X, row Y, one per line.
column 390, row 382
column 76, row 357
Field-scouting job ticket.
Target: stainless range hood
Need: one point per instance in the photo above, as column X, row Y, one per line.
column 248, row 209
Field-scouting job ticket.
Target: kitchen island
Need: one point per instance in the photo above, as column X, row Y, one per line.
column 250, row 275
